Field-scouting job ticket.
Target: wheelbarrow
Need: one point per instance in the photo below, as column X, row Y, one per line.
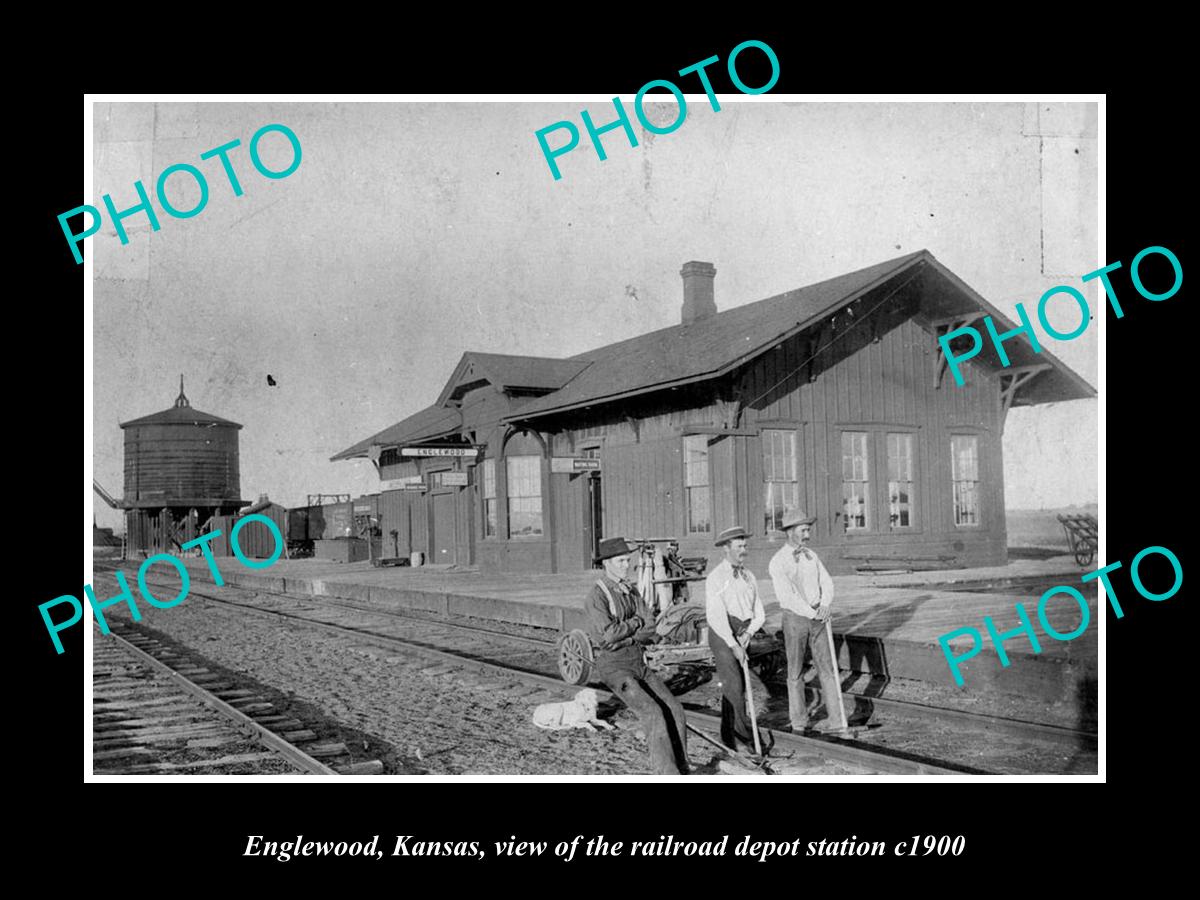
column 1081, row 537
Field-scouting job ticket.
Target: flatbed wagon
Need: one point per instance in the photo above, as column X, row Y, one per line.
column 668, row 582
column 577, row 660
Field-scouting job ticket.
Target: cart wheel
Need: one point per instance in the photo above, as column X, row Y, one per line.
column 575, row 659
column 771, row 665
column 1085, row 555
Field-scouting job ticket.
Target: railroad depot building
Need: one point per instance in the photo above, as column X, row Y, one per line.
column 834, row 397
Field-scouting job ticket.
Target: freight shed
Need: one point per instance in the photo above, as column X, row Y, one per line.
column 181, row 467
column 834, row 397
column 255, row 539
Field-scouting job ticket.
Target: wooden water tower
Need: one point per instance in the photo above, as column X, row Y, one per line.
column 181, row 467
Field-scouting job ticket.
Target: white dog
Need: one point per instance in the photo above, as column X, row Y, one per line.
column 577, row 713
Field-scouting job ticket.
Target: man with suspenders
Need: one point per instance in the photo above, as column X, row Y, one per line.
column 619, row 625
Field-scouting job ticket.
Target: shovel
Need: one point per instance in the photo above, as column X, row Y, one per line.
column 750, row 703
column 760, row 764
column 842, row 721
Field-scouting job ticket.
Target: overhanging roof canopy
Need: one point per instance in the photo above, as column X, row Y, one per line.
column 430, row 423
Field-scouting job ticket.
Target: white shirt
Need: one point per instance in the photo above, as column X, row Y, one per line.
column 803, row 584
column 726, row 595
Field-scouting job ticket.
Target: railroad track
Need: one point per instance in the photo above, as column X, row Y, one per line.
column 493, row 652
column 1007, row 726
column 905, row 739
column 156, row 711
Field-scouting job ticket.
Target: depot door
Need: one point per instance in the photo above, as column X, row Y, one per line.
column 593, row 526
column 445, row 528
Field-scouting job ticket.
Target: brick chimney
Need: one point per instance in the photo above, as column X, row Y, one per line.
column 698, row 302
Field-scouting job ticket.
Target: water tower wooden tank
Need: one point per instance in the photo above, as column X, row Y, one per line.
column 181, row 467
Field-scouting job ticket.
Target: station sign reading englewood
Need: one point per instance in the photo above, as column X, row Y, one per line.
column 438, row 451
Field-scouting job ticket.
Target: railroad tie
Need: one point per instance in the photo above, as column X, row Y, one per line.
column 320, row 751
column 374, row 767
column 162, row 736
column 241, row 702
column 249, row 708
column 231, row 760
column 101, row 729
column 209, row 743
column 105, row 755
column 113, row 706
column 279, row 722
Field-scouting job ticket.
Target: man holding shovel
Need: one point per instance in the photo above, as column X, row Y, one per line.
column 734, row 612
column 804, row 590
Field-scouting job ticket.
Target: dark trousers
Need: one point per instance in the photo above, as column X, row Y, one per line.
column 735, row 722
column 656, row 708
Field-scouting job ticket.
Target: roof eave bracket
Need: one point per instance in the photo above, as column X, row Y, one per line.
column 1012, row 380
column 940, row 330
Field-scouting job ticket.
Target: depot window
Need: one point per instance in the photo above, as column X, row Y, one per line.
column 524, row 495
column 697, row 484
column 488, row 478
column 964, row 476
column 856, row 480
column 779, row 475
column 900, row 480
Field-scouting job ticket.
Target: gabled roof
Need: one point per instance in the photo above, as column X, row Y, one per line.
column 505, row 372
column 177, row 415
column 713, row 346
column 260, row 505
column 509, row 373
column 181, row 413
column 431, row 422
column 944, row 292
column 716, row 345
column 710, row 346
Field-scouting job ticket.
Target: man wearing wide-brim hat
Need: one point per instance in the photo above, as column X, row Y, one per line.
column 804, row 590
column 619, row 625
column 734, row 612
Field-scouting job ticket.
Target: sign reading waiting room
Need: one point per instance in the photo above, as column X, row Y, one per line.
column 574, row 464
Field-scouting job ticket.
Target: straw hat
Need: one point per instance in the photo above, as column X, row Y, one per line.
column 737, row 531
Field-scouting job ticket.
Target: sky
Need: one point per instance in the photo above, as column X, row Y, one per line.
column 413, row 232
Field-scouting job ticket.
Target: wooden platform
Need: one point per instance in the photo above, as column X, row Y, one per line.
column 884, row 626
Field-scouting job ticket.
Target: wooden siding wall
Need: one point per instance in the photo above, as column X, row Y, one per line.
column 889, row 383
column 641, row 484
column 860, row 384
column 181, row 460
column 410, row 513
column 255, row 539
